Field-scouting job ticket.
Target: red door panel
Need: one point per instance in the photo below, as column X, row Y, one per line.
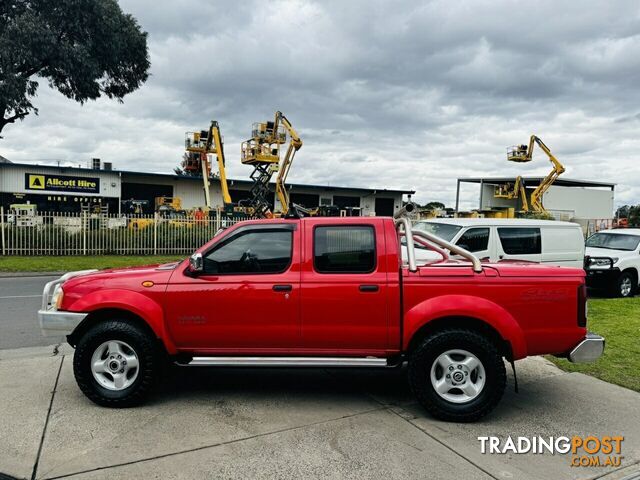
column 236, row 313
column 233, row 313
column 344, row 312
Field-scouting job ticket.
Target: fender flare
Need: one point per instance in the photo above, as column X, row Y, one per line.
column 466, row 306
column 636, row 271
column 136, row 303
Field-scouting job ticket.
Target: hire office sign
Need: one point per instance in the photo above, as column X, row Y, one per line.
column 61, row 183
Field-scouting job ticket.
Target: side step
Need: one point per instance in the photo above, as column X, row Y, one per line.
column 288, row 362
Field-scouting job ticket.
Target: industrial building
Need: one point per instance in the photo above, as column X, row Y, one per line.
column 68, row 189
column 588, row 203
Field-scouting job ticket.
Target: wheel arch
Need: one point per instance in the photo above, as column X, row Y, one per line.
column 132, row 306
column 467, row 323
column 466, row 311
column 633, row 271
column 104, row 314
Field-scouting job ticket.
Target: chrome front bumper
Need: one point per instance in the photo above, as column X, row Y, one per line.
column 56, row 322
column 588, row 350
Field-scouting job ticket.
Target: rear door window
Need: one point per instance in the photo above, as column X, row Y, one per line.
column 344, row 249
column 520, row 241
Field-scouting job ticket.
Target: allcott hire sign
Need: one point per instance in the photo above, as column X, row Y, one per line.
column 61, row 183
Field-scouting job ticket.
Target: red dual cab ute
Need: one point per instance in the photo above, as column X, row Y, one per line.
column 321, row 292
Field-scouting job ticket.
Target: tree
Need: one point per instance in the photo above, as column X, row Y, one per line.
column 634, row 216
column 193, row 157
column 83, row 48
column 623, row 211
column 434, row 206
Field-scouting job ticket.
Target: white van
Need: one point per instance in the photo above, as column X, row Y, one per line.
column 500, row 239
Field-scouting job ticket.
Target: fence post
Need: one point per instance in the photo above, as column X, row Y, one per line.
column 4, row 249
column 84, row 233
column 217, row 219
column 155, row 233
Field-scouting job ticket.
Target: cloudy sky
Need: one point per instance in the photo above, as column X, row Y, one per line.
column 398, row 94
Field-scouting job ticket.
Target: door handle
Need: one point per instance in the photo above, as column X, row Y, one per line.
column 369, row 288
column 282, row 288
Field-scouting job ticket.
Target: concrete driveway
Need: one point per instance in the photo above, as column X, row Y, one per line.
column 249, row 423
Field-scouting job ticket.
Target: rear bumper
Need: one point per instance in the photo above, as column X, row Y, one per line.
column 602, row 278
column 55, row 322
column 588, row 350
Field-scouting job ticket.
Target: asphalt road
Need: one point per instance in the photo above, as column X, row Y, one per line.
column 20, row 299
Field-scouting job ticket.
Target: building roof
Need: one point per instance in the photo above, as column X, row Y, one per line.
column 198, row 178
column 560, row 182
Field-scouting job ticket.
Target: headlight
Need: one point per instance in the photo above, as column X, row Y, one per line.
column 602, row 262
column 56, row 298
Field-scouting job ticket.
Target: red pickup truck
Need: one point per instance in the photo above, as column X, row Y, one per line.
column 321, row 292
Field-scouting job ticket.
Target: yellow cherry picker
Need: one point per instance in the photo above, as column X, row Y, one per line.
column 198, row 146
column 524, row 154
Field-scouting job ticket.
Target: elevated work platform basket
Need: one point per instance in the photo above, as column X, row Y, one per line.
column 518, row 153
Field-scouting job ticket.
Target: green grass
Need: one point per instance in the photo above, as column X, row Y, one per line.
column 67, row 264
column 618, row 321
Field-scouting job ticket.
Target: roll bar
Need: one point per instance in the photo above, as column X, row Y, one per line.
column 411, row 252
column 401, row 220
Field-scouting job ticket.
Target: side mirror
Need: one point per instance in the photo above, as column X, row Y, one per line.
column 196, row 264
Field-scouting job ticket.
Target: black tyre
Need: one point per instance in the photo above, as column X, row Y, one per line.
column 457, row 375
column 116, row 364
column 625, row 286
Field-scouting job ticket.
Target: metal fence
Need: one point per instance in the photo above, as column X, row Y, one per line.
column 84, row 233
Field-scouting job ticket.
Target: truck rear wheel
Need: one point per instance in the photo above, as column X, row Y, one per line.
column 457, row 375
column 115, row 364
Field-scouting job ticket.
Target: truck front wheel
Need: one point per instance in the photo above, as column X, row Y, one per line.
column 115, row 364
column 457, row 375
column 626, row 285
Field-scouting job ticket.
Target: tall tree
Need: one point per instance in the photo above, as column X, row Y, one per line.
column 434, row 206
column 623, row 211
column 634, row 216
column 83, row 48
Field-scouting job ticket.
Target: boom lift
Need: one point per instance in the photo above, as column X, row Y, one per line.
column 262, row 151
column 199, row 145
column 523, row 154
column 514, row 190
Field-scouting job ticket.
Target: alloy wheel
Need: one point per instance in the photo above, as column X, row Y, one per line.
column 115, row 365
column 458, row 376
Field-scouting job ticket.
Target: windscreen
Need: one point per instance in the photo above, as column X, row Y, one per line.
column 613, row 241
column 446, row 231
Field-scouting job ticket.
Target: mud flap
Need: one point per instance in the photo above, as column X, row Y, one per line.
column 515, row 377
